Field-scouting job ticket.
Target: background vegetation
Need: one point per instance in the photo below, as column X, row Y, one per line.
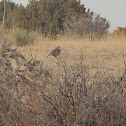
column 53, row 18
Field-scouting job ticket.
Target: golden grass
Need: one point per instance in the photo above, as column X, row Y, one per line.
column 107, row 53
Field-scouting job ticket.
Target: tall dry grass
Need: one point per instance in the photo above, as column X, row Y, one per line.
column 107, row 52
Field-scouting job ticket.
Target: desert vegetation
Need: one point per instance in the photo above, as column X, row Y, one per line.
column 83, row 86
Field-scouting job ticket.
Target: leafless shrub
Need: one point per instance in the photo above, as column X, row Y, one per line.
column 92, row 27
column 65, row 96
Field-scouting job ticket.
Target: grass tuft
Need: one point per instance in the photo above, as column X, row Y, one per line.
column 23, row 37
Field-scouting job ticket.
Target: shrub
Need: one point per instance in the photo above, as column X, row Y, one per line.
column 23, row 37
column 65, row 95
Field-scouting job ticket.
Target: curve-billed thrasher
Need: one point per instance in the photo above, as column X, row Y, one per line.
column 55, row 52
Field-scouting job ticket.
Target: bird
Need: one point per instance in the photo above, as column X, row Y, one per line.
column 55, row 52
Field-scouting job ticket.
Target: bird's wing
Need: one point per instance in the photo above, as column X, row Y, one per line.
column 51, row 53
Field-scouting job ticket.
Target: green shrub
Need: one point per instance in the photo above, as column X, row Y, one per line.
column 20, row 37
column 23, row 37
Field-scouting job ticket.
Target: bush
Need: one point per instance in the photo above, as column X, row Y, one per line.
column 23, row 37
column 64, row 95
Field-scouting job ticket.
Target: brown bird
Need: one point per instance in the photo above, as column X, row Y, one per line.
column 55, row 52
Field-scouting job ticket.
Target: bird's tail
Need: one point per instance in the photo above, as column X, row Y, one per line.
column 47, row 56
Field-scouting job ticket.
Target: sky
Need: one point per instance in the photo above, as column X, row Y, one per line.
column 112, row 10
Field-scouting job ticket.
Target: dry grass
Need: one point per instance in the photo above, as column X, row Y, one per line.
column 106, row 54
